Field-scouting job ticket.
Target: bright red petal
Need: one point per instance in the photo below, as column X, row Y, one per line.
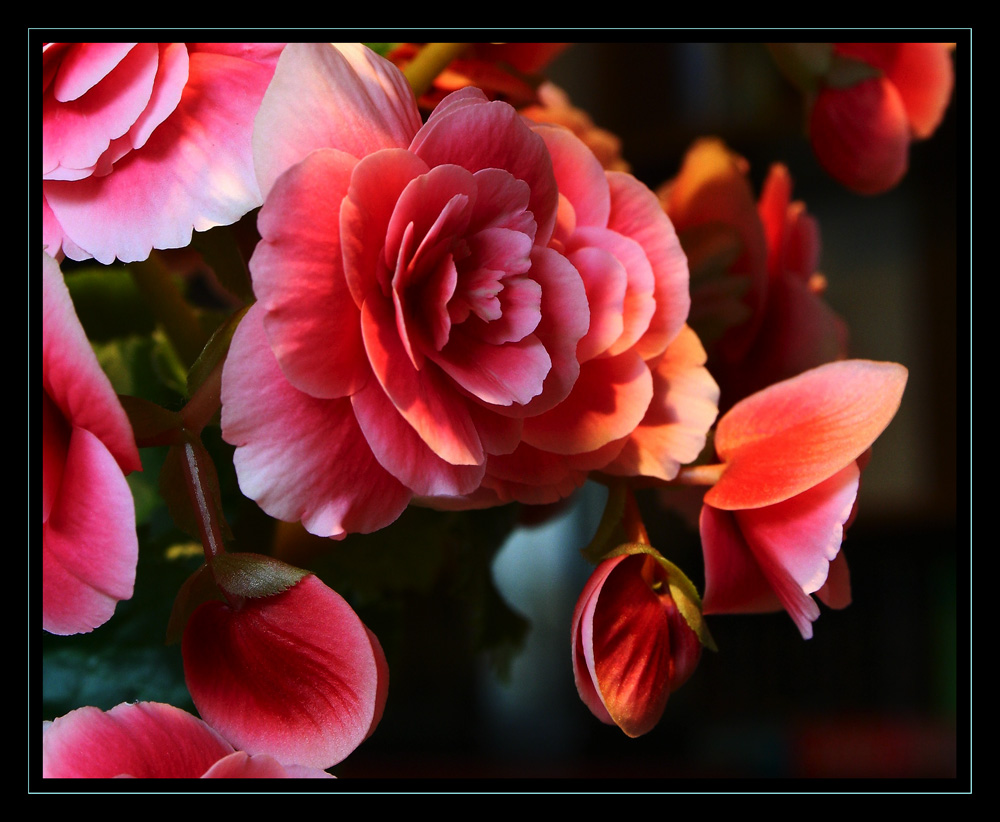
column 293, row 675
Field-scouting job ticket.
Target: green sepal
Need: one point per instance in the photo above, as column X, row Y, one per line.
column 610, row 530
column 848, row 71
column 682, row 590
column 804, row 64
column 215, row 351
column 254, row 575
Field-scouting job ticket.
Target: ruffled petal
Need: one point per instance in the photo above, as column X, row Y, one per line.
column 327, row 95
column 299, row 457
column 146, row 740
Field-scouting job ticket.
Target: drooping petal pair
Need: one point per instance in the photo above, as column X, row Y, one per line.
column 89, row 542
column 145, row 142
column 150, row 740
column 773, row 523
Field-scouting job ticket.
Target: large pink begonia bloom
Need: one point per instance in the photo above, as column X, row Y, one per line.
column 143, row 142
column 150, row 740
column 419, row 310
column 89, row 542
column 861, row 133
column 631, row 646
column 295, row 675
column 770, row 322
column 772, row 526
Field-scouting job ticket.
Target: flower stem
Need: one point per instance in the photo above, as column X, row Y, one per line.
column 700, row 474
column 199, row 490
column 430, row 61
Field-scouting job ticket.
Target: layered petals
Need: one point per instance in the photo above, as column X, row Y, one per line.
column 145, row 142
column 89, row 542
column 631, row 645
column 150, row 740
column 773, row 523
column 296, row 675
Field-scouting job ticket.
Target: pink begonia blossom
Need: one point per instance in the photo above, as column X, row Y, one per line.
column 861, row 131
column 631, row 645
column 756, row 293
column 430, row 296
column 295, row 675
column 143, row 142
column 89, row 542
column 150, row 740
column 772, row 526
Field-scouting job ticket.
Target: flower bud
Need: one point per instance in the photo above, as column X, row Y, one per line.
column 637, row 637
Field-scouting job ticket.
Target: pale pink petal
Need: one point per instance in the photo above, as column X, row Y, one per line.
column 683, row 408
column 299, row 457
column 606, row 282
column 327, row 95
column 77, row 127
column 401, row 451
column 143, row 739
column 194, row 172
column 171, row 78
column 89, row 543
column 608, row 401
column 792, row 435
column 240, row 765
column 312, row 324
column 292, row 675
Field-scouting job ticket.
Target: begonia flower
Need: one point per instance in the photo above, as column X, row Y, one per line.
column 862, row 122
column 773, row 523
column 144, row 142
column 757, row 297
column 295, row 675
column 633, row 642
column 427, row 293
column 89, row 542
column 150, row 740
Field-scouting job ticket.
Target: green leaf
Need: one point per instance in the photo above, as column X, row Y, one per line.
column 254, row 575
column 108, row 303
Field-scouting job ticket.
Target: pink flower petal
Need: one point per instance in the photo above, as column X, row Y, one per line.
column 294, row 675
column 240, row 765
column 326, row 95
column 793, row 435
column 683, row 408
column 313, row 325
column 478, row 134
column 299, row 457
column 608, row 401
column 143, row 740
column 193, row 173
